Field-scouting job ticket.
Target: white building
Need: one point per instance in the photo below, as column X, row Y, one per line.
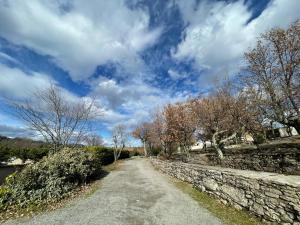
column 200, row 145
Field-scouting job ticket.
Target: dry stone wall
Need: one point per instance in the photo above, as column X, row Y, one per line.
column 275, row 159
column 273, row 197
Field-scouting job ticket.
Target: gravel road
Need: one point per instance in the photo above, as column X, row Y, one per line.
column 135, row 194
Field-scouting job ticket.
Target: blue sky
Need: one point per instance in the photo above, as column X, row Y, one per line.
column 133, row 55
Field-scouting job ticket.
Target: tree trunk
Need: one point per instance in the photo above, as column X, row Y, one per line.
column 115, row 157
column 219, row 152
column 216, row 146
column 145, row 149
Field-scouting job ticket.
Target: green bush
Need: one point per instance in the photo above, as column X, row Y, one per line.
column 134, row 153
column 4, row 153
column 155, row 151
column 53, row 177
column 104, row 154
column 259, row 138
column 5, row 194
column 34, row 153
column 125, row 154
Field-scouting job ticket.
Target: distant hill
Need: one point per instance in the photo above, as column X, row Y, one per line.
column 23, row 148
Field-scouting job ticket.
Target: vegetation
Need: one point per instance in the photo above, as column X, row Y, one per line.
column 273, row 79
column 267, row 93
column 59, row 120
column 119, row 138
column 79, row 192
column 22, row 148
column 50, row 179
column 142, row 132
column 106, row 155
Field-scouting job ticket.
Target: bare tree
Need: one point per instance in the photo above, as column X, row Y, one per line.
column 93, row 140
column 119, row 138
column 223, row 116
column 160, row 133
column 142, row 132
column 274, row 71
column 181, row 124
column 59, row 121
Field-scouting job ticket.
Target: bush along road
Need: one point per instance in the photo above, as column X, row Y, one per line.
column 132, row 195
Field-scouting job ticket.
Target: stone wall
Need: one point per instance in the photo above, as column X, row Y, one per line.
column 273, row 197
column 278, row 159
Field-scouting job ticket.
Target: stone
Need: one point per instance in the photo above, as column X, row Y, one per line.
column 274, row 198
column 237, row 195
column 289, row 199
column 257, row 208
column 271, row 194
column 210, row 184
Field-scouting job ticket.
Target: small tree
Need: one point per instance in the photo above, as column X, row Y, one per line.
column 119, row 138
column 161, row 133
column 59, row 121
column 93, row 140
column 223, row 115
column 181, row 124
column 142, row 132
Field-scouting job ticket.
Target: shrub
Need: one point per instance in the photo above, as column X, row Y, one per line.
column 259, row 138
column 53, row 177
column 155, row 151
column 4, row 153
column 134, row 153
column 5, row 194
column 124, row 154
column 104, row 155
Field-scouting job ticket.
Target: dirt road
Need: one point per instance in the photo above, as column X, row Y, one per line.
column 135, row 194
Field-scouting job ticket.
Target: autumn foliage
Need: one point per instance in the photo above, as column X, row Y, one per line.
column 267, row 92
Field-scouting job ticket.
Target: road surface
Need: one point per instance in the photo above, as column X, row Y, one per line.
column 135, row 194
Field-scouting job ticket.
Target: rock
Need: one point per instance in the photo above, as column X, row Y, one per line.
column 237, row 195
column 257, row 208
column 210, row 184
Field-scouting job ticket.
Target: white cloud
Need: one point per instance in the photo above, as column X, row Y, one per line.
column 81, row 37
column 130, row 102
column 175, row 75
column 14, row 131
column 14, row 83
column 218, row 33
column 4, row 57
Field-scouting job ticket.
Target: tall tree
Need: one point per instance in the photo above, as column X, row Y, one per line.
column 274, row 71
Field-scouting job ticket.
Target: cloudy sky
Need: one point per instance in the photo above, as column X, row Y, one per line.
column 133, row 55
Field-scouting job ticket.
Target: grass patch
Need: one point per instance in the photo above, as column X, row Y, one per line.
column 227, row 214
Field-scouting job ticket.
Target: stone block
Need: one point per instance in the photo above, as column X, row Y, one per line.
column 210, row 184
column 258, row 209
column 235, row 194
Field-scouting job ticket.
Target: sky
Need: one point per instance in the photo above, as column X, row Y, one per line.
column 132, row 55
